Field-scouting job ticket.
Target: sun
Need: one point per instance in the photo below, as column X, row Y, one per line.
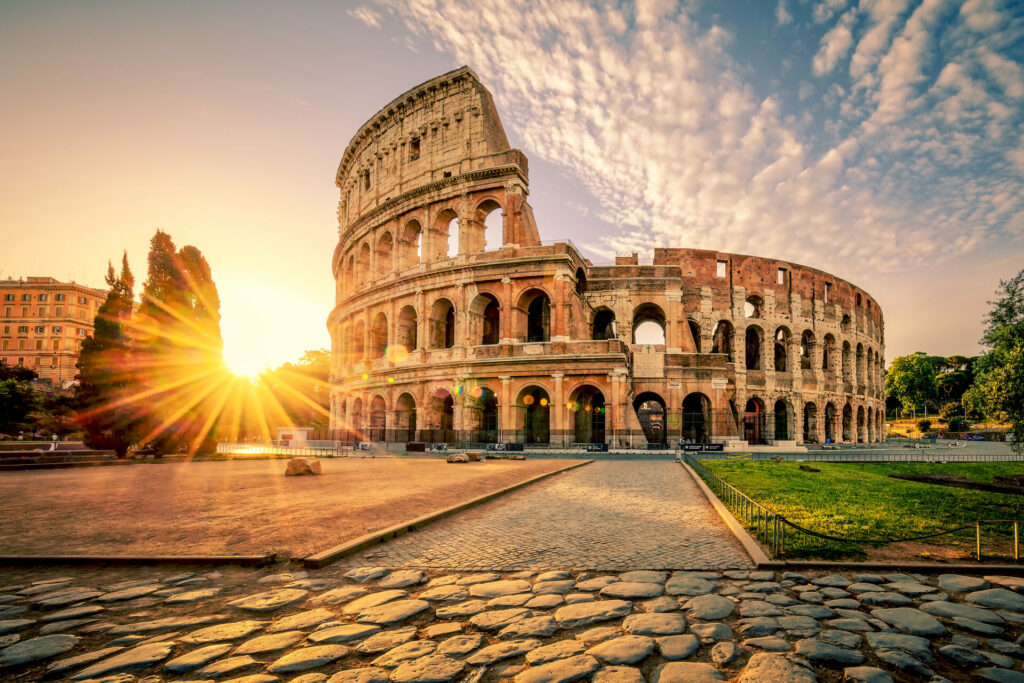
column 245, row 362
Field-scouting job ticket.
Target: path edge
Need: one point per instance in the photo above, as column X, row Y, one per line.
column 750, row 546
column 326, row 557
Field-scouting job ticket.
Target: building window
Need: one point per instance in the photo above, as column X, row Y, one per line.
column 81, row 332
column 5, row 343
column 59, row 311
column 21, row 346
column 414, row 149
column 26, row 297
column 8, row 297
column 24, row 311
column 7, row 329
column 8, row 312
column 42, row 311
column 60, row 297
column 782, row 276
column 366, row 180
column 42, row 297
column 721, row 270
column 828, row 291
column 21, row 361
column 56, row 345
column 39, row 344
column 82, row 300
column 40, row 329
column 22, row 329
column 56, row 329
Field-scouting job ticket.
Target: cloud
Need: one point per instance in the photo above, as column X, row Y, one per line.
column 834, row 45
column 366, row 15
column 782, row 15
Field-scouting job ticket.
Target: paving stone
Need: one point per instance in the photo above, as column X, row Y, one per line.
column 1006, row 647
column 913, row 645
column 866, row 674
column 11, row 639
column 553, row 587
column 364, row 675
column 957, row 609
column 306, row 658
column 842, row 603
column 628, row 649
column 813, row 611
column 197, row 658
column 686, row 672
column 36, row 649
column 999, row 675
column 12, row 610
column 310, row 678
column 63, row 599
column 828, row 655
column 444, row 628
column 232, row 631
column 503, row 650
column 131, row 660
column 618, row 674
column 311, row 584
column 365, row 574
column 63, row 665
column 863, row 588
column 711, row 632
column 885, row 599
column 768, row 643
column 493, row 589
column 429, row 669
column 759, row 608
column 964, row 657
column 664, row 624
column 586, row 613
column 966, row 641
column 73, row 613
column 553, row 576
column 678, row 647
column 373, row 600
column 664, row 603
column 251, row 678
column 392, row 612
column 796, row 622
column 812, row 597
column 977, row 626
column 557, row 650
column 781, row 600
column 958, row 583
column 514, row 600
column 999, row 660
column 912, row 621
column 224, row 667
column 684, row 584
column 8, row 625
column 269, row 601
column 1015, row 583
column 471, row 579
column 848, row 624
column 460, row 645
column 302, row 620
column 414, row 649
column 767, row 667
column 344, row 633
column 461, row 609
column 709, row 607
column 400, row 578
column 560, row 671
column 339, row 596
column 450, row 593
column 758, row 626
column 269, row 643
column 43, row 587
column 763, row 587
column 385, row 640
column 533, row 627
column 999, row 598
column 832, row 580
column 284, row 577
column 833, row 593
column 192, row 596
column 498, row 619
column 724, row 653
column 598, row 634
column 629, row 590
column 596, row 583
column 643, row 576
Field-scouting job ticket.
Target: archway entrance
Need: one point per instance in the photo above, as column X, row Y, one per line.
column 696, row 418
column 783, row 421
column 378, row 420
column 536, row 415
column 441, row 416
column 753, row 422
column 810, row 423
column 485, row 407
column 650, row 410
column 830, row 423
column 588, row 410
column 405, row 414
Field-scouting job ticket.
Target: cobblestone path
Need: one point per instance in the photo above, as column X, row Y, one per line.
column 608, row 515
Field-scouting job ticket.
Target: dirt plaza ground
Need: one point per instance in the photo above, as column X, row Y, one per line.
column 234, row 507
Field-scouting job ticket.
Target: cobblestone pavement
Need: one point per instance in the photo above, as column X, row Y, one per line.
column 608, row 515
column 374, row 625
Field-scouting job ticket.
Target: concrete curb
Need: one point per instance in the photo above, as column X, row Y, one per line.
column 242, row 560
column 326, row 557
column 751, row 546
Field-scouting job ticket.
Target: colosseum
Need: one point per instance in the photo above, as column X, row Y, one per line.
column 455, row 322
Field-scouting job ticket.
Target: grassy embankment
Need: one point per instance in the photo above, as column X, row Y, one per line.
column 860, row 500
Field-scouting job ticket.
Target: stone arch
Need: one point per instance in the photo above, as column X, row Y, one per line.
column 753, row 307
column 442, row 324
column 830, row 423
column 356, row 419
column 489, row 219
column 587, row 406
column 485, row 319
column 695, row 333
column 651, row 412
column 365, row 257
column 781, row 349
column 482, row 409
column 721, row 340
column 810, row 422
column 754, row 342
column 648, row 324
column 440, row 417
column 844, row 324
column 406, row 330
column 860, row 364
column 378, row 419
column 581, row 281
column 533, row 314
column 603, row 325
column 807, row 343
column 445, row 235
column 410, row 245
column 382, row 254
column 847, row 363
column 697, row 427
column 848, row 423
column 358, row 341
column 754, row 426
column 405, row 418
column 379, row 336
column 861, row 425
column 534, row 406
column 783, row 420
column 828, row 354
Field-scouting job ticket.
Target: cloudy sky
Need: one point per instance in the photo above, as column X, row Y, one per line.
column 881, row 140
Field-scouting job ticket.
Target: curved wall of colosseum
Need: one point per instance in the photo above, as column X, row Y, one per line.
column 454, row 322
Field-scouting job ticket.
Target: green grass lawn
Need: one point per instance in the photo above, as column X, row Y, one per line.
column 860, row 500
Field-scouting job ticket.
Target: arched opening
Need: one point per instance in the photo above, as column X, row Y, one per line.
column 782, row 350
column 783, row 420
column 364, row 264
column 753, row 307
column 650, row 411
column 847, row 423
column 753, row 347
column 378, row 420
column 858, row 300
column 860, row 364
column 871, row 424
column 588, row 409
column 358, row 342
column 753, row 422
column 350, row 273
column 536, row 410
column 410, row 245
column 385, row 245
column 442, row 325
column 604, row 324
column 806, row 350
column 847, row 363
column 484, row 411
column 535, row 316
column 407, row 328
column 379, row 336
column 440, row 418
column 830, row 423
column 489, row 215
column 405, row 418
column 844, row 325
column 810, row 423
column 695, row 333
column 696, row 418
column 648, row 324
column 486, row 319
column 860, row 424
column 581, row 281
column 828, row 354
column 721, row 340
column 356, row 419
column 444, row 240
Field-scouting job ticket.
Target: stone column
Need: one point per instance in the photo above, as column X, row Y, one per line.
column 618, row 421
column 558, row 331
column 557, row 412
column 505, row 407
column 508, row 308
column 422, row 315
column 798, row 420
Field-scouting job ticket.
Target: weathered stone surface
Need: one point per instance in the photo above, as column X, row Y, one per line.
column 192, row 596
column 302, row 620
column 196, row 658
column 503, row 650
column 554, row 576
column 885, row 599
column 492, row 621
column 493, row 589
column 270, row 642
column 998, row 598
column 364, row 574
column 832, row 580
column 165, row 624
column 232, row 631
column 1015, row 583
column 450, row 593
column 269, row 601
column 909, row 620
column 224, row 667
column 461, row 609
column 825, row 654
column 866, row 674
column 618, row 674
column 643, row 576
column 61, row 665
column 429, row 669
column 813, row 611
column 686, row 672
column 131, row 660
column 306, row 658
column 765, row 667
column 392, row 612
column 414, row 649
column 8, row 625
column 759, row 608
column 373, row 600
column 914, row 645
column 514, row 600
column 533, row 627
column 596, row 583
column 553, row 587
column 958, row 609
column 545, row 601
column 73, row 613
column 678, row 647
column 36, row 649
column 385, row 640
column 758, row 626
column 598, row 634
column 364, row 675
column 298, row 467
column 709, row 607
column 62, row 600
column 471, row 579
column 130, row 593
column 768, row 643
column 557, row 650
column 444, row 628
column 585, row 613
column 687, row 584
column 979, row 627
column 344, row 633
column 998, row 675
column 460, row 645
column 629, row 590
column 339, row 596
column 560, row 671
column 849, row 624
column 964, row 657
column 958, row 583
column 624, row 650
column 400, row 578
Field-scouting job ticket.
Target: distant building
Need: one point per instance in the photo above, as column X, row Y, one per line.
column 42, row 324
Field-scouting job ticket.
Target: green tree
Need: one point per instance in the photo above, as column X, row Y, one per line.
column 1004, row 323
column 302, row 389
column 106, row 374
column 17, row 402
column 911, row 379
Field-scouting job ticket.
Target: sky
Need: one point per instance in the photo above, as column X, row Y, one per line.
column 881, row 140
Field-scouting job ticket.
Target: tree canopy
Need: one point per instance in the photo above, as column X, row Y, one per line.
column 911, row 380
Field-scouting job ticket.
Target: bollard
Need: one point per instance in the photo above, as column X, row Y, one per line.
column 977, row 539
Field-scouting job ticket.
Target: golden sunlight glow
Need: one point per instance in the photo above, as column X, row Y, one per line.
column 245, row 362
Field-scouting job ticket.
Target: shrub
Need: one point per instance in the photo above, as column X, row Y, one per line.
column 924, row 425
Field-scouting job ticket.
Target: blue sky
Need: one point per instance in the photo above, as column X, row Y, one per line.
column 883, row 141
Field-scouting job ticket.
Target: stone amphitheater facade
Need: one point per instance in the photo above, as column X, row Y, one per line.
column 455, row 322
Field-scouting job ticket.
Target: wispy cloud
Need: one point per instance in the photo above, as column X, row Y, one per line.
column 782, row 15
column 366, row 15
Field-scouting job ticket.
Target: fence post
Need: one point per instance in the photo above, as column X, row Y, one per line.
column 1016, row 541
column 977, row 539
